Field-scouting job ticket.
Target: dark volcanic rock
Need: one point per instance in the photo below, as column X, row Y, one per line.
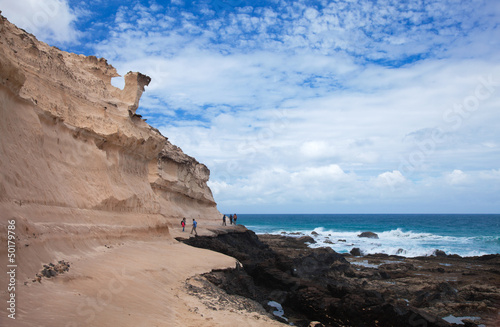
column 320, row 285
column 356, row 252
column 307, row 239
column 284, row 242
column 368, row 235
column 52, row 270
column 244, row 246
column 319, row 262
column 439, row 253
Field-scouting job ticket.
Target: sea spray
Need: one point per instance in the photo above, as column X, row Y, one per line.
column 404, row 235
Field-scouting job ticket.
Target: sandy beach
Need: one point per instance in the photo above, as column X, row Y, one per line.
column 129, row 282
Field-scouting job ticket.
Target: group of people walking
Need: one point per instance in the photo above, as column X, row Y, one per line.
column 232, row 219
column 195, row 224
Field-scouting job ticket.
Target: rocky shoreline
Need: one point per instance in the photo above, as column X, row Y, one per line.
column 317, row 286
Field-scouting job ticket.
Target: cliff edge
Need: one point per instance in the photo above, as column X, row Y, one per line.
column 89, row 193
column 76, row 161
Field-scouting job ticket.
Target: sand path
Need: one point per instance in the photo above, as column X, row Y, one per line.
column 132, row 283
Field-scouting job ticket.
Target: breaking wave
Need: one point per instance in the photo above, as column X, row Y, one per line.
column 398, row 242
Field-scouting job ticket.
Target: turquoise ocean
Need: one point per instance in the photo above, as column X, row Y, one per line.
column 407, row 235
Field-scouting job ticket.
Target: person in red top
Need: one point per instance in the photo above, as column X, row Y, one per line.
column 183, row 223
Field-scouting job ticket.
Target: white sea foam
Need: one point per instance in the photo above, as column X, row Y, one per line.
column 393, row 242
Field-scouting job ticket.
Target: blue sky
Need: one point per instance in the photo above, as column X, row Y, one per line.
column 309, row 106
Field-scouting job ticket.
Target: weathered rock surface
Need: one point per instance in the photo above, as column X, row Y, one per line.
column 76, row 161
column 321, row 285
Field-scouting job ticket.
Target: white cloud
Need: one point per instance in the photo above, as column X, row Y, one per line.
column 457, row 177
column 490, row 144
column 316, row 149
column 392, row 179
column 177, row 2
column 490, row 175
column 319, row 175
column 51, row 21
column 276, row 99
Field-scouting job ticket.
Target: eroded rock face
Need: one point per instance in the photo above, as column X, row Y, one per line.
column 74, row 153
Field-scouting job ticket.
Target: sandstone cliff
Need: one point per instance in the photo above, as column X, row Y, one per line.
column 76, row 161
column 89, row 195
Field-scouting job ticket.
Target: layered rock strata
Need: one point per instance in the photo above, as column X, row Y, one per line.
column 77, row 163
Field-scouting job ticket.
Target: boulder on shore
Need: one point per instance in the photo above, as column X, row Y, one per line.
column 439, row 253
column 368, row 235
column 356, row 252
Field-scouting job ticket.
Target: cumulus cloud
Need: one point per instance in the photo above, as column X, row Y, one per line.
column 392, row 179
column 318, row 175
column 456, row 177
column 51, row 21
column 335, row 101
